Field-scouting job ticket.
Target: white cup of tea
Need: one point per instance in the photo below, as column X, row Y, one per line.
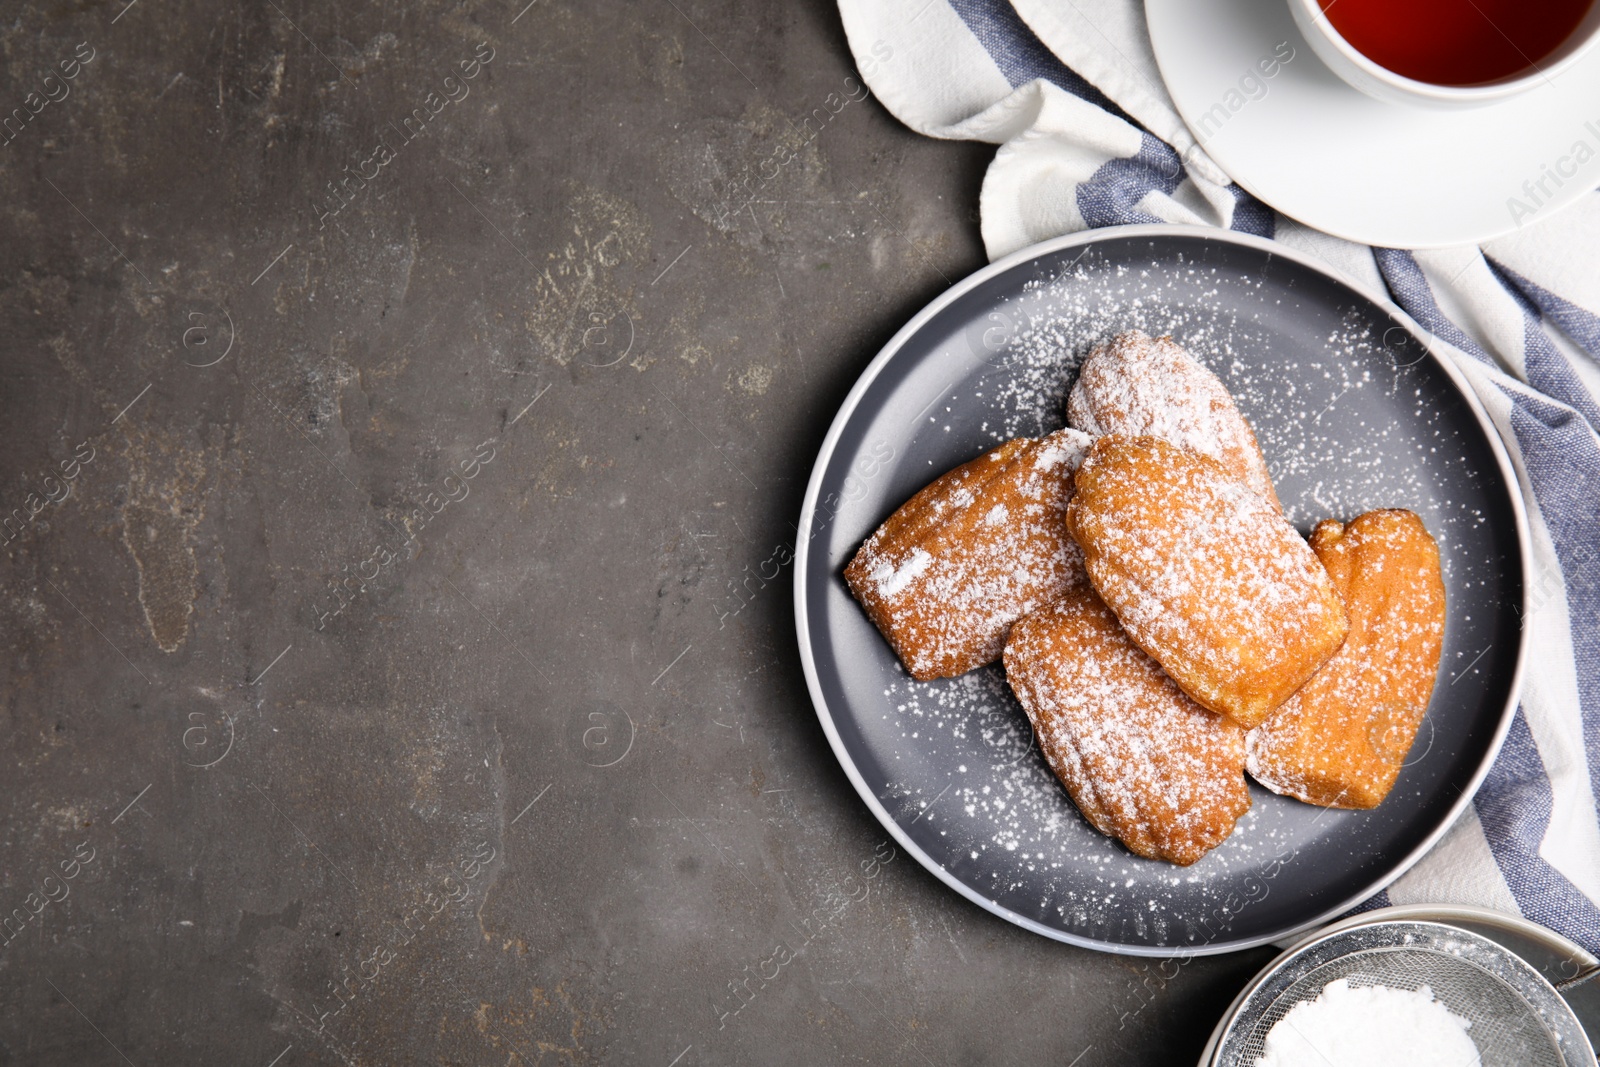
column 1448, row 53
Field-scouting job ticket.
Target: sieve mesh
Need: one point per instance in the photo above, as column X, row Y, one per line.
column 1517, row 1019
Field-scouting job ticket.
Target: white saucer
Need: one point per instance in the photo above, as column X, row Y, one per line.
column 1337, row 160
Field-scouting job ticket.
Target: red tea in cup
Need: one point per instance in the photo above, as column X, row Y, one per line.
column 1456, row 42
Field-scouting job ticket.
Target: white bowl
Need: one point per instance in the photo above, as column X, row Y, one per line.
column 1384, row 84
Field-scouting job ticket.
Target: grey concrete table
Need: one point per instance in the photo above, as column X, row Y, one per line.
column 405, row 408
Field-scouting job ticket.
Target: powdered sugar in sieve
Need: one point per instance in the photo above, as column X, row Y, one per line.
column 1517, row 1018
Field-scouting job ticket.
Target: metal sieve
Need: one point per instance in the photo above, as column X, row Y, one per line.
column 1518, row 1019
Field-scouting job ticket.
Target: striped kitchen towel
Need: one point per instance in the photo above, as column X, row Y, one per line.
column 1088, row 137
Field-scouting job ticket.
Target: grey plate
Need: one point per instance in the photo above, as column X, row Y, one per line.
column 1352, row 412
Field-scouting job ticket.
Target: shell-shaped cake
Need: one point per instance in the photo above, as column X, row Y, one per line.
column 1143, row 762
column 949, row 572
column 1206, row 575
column 1341, row 740
column 1142, row 386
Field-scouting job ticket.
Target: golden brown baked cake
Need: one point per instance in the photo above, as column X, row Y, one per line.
column 1341, row 739
column 946, row 576
column 1142, row 386
column 1206, row 575
column 1144, row 763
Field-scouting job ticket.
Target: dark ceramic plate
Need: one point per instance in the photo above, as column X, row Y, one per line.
column 1352, row 412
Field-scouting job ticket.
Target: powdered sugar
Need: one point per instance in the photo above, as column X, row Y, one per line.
column 1369, row 1026
column 892, row 580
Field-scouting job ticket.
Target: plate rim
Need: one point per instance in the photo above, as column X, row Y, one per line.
column 1154, row 11
column 847, row 410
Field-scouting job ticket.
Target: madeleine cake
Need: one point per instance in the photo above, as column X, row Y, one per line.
column 1340, row 741
column 1205, row 574
column 1143, row 762
column 950, row 571
column 1142, row 386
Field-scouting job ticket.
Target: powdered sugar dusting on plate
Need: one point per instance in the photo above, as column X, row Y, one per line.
column 1005, row 819
column 1038, row 341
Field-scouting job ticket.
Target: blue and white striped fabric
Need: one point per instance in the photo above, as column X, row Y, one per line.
column 1088, row 137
